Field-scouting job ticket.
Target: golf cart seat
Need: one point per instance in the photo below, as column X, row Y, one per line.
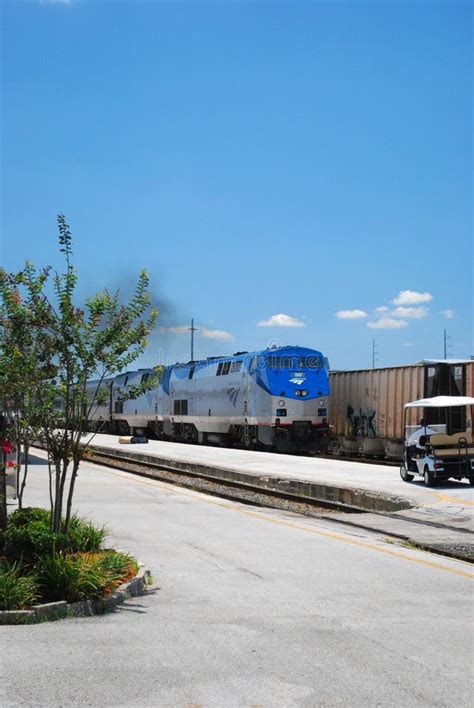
column 451, row 445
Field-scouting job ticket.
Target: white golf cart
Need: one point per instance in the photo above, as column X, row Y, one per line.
column 437, row 456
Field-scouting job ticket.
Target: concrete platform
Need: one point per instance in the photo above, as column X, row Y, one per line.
column 450, row 504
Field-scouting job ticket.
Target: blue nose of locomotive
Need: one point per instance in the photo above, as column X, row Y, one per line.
column 294, row 372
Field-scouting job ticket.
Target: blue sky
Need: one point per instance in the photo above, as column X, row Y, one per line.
column 294, row 172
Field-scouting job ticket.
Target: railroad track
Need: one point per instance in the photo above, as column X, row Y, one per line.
column 255, row 495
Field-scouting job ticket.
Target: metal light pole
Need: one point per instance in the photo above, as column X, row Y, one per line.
column 192, row 329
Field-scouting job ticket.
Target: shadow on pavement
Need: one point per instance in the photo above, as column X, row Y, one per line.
column 450, row 484
column 35, row 460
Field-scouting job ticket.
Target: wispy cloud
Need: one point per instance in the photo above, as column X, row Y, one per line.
column 383, row 308
column 411, row 297
column 351, row 314
column 281, row 320
column 387, row 323
column 219, row 334
column 413, row 313
column 449, row 314
column 184, row 329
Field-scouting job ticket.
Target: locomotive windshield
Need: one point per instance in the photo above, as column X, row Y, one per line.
column 309, row 362
column 300, row 362
column 280, row 362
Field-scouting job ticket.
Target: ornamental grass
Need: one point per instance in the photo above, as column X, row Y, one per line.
column 41, row 566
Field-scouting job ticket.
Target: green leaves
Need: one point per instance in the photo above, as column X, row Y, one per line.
column 50, row 348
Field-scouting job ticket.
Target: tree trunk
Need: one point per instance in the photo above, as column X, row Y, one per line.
column 20, row 490
column 57, row 497
column 3, row 491
column 75, row 471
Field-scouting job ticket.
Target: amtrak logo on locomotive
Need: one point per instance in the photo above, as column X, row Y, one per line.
column 298, row 377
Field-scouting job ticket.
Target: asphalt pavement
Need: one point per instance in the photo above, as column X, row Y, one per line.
column 253, row 607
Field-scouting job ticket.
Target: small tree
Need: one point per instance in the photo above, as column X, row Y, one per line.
column 73, row 345
column 21, row 369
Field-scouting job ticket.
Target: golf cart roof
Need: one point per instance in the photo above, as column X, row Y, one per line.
column 441, row 402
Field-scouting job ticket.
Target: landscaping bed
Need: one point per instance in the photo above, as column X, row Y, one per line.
column 46, row 575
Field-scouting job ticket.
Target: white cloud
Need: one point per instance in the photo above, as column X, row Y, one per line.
column 413, row 313
column 449, row 314
column 184, row 329
column 217, row 334
column 383, row 308
column 204, row 332
column 411, row 297
column 281, row 320
column 350, row 314
column 387, row 323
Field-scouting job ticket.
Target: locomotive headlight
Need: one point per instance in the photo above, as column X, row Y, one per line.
column 304, row 392
column 281, row 404
column 297, row 392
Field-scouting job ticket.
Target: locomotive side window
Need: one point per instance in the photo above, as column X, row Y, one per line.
column 236, row 366
column 145, row 377
column 223, row 368
column 180, row 407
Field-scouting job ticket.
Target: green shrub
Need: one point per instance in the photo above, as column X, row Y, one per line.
column 73, row 577
column 23, row 517
column 28, row 542
column 17, row 590
column 119, row 564
column 28, row 536
column 84, row 536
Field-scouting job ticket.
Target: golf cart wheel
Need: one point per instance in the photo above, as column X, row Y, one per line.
column 428, row 477
column 404, row 474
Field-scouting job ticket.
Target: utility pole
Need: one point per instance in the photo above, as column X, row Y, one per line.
column 192, row 329
column 446, row 345
column 374, row 353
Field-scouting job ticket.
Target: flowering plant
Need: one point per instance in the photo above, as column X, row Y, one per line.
column 7, row 447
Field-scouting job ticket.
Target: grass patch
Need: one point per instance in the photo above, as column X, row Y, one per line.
column 18, row 590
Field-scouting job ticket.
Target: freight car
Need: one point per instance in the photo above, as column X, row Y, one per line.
column 274, row 399
column 366, row 406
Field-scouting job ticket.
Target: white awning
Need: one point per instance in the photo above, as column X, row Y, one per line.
column 441, row 402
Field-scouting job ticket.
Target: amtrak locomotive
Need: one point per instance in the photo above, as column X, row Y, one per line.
column 276, row 398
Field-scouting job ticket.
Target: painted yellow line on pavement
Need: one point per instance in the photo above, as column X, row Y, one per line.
column 201, row 496
column 456, row 500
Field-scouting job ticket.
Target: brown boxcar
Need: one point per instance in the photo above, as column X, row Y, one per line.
column 366, row 406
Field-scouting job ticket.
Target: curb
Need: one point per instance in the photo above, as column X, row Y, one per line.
column 51, row 611
column 361, row 499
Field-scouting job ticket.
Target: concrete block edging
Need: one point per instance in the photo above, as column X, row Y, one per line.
column 51, row 611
